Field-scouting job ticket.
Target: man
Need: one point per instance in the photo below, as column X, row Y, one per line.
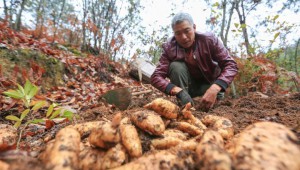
column 197, row 64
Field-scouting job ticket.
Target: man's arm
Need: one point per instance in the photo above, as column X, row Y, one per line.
column 158, row 81
column 158, row 78
column 226, row 63
column 228, row 71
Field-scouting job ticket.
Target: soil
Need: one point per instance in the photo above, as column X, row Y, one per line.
column 242, row 112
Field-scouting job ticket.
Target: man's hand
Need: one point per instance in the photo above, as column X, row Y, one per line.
column 209, row 98
column 175, row 90
column 184, row 98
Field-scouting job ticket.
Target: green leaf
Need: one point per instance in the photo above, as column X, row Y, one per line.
column 276, row 35
column 50, row 110
column 14, row 94
column 21, row 89
column 55, row 104
column 275, row 17
column 32, row 92
column 27, row 87
column 68, row 114
column 236, row 25
column 37, row 121
column 24, row 114
column 17, row 124
column 216, row 4
column 13, row 118
column 56, row 113
column 243, row 26
column 38, row 105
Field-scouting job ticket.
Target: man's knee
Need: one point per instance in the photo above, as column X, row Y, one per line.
column 177, row 67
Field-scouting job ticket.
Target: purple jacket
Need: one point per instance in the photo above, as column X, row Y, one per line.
column 212, row 57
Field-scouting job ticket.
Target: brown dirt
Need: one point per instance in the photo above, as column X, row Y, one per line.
column 250, row 109
column 242, row 112
column 247, row 110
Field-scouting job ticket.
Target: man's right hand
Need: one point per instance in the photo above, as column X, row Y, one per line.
column 184, row 98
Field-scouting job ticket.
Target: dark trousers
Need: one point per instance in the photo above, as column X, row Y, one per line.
column 180, row 76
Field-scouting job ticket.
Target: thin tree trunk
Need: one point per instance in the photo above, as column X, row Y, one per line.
column 94, row 31
column 291, row 63
column 42, row 19
column 38, row 14
column 11, row 14
column 225, row 37
column 58, row 20
column 296, row 55
column 5, row 9
column 229, row 23
column 224, row 4
column 83, row 47
column 242, row 19
column 100, row 25
column 285, row 54
column 73, row 38
column 18, row 20
column 116, row 26
column 108, row 19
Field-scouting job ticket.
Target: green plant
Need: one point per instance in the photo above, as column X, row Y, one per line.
column 26, row 94
column 51, row 113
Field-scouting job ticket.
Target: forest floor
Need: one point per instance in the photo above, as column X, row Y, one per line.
column 242, row 111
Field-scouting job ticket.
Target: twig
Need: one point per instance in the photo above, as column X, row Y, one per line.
column 20, row 136
column 141, row 92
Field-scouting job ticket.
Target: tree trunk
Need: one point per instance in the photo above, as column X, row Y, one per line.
column 242, row 18
column 5, row 9
column 58, row 20
column 223, row 25
column 224, row 4
column 108, row 18
column 100, row 25
column 296, row 55
column 18, row 20
column 84, row 8
column 38, row 16
column 94, row 22
column 11, row 13
column 228, row 25
column 42, row 19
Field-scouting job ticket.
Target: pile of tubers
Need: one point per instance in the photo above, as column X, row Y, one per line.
column 179, row 140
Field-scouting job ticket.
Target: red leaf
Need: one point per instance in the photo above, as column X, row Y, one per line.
column 5, row 147
column 49, row 124
column 29, row 133
column 40, row 97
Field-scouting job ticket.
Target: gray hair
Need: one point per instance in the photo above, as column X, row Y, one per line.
column 180, row 17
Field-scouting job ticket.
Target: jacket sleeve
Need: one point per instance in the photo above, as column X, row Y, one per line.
column 158, row 78
column 228, row 66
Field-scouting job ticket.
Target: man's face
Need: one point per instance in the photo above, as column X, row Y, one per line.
column 185, row 34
